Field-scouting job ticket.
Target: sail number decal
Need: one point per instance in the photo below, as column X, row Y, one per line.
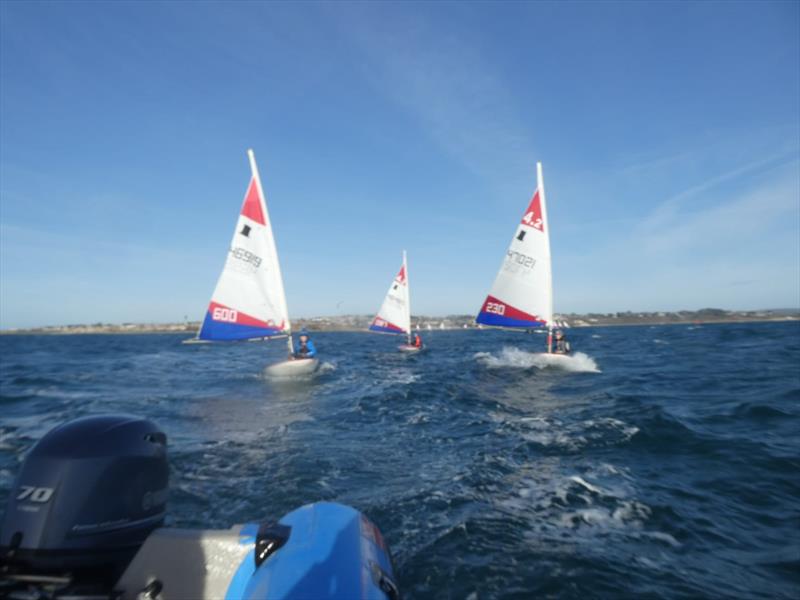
column 519, row 264
column 30, row 493
column 531, row 220
column 246, row 256
column 523, row 260
column 496, row 308
column 224, row 314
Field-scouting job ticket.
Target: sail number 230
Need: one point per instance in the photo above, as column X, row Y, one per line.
column 224, row 314
column 496, row 308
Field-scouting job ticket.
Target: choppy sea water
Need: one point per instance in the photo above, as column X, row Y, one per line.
column 664, row 463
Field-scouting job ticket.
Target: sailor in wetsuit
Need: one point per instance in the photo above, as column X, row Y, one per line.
column 417, row 341
column 306, row 348
column 561, row 345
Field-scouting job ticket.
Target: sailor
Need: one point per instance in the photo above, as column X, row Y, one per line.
column 417, row 341
column 562, row 345
column 306, row 349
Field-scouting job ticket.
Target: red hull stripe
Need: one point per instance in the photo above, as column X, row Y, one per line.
column 385, row 325
column 252, row 204
column 223, row 314
column 497, row 307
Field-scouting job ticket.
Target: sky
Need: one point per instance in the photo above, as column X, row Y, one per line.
column 669, row 134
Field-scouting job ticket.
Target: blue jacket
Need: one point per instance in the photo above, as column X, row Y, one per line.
column 308, row 352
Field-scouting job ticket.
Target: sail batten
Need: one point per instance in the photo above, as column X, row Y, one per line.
column 522, row 293
column 249, row 300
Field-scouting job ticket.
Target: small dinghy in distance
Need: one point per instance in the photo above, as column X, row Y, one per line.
column 521, row 296
column 409, row 348
column 249, row 301
column 122, row 550
column 394, row 316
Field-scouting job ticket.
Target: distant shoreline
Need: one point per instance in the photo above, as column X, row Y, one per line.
column 360, row 323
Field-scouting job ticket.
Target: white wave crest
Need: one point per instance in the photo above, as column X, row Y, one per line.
column 574, row 437
column 594, row 503
column 327, row 367
column 520, row 359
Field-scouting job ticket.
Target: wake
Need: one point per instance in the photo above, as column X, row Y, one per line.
column 520, row 359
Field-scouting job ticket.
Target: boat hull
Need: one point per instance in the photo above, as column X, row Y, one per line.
column 297, row 367
column 409, row 348
column 323, row 550
column 555, row 359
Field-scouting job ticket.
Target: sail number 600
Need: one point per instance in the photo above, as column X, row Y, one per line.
column 224, row 314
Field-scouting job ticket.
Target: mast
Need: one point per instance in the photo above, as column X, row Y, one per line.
column 549, row 315
column 282, row 295
column 408, row 299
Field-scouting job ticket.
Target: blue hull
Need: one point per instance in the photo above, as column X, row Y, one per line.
column 332, row 551
column 321, row 551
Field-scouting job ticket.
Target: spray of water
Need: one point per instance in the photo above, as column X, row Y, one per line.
column 513, row 357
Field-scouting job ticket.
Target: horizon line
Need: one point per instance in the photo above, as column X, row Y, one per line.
column 422, row 316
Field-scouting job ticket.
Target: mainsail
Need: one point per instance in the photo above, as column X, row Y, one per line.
column 249, row 300
column 394, row 315
column 522, row 293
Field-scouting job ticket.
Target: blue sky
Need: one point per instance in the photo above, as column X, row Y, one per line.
column 669, row 134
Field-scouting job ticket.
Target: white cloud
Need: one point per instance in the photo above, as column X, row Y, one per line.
column 446, row 83
column 737, row 251
column 676, row 227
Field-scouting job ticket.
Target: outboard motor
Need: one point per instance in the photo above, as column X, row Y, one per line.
column 88, row 495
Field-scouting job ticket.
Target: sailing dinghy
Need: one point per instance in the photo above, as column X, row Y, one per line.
column 522, row 294
column 249, row 302
column 394, row 315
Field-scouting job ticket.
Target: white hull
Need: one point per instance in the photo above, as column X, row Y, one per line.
column 292, row 368
column 408, row 348
column 554, row 358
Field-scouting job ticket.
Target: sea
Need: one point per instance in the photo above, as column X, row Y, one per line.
column 659, row 462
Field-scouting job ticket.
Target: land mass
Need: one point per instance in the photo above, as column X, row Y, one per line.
column 361, row 322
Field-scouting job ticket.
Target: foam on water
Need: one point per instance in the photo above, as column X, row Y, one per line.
column 493, row 475
column 598, row 502
column 511, row 356
column 572, row 437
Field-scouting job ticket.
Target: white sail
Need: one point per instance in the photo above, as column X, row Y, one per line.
column 249, row 300
column 394, row 315
column 522, row 292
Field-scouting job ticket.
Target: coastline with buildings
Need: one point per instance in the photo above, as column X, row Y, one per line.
column 449, row 322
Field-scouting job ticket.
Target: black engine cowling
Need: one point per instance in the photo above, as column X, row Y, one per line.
column 88, row 495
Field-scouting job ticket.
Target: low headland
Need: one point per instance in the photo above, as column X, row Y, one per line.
column 361, row 322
